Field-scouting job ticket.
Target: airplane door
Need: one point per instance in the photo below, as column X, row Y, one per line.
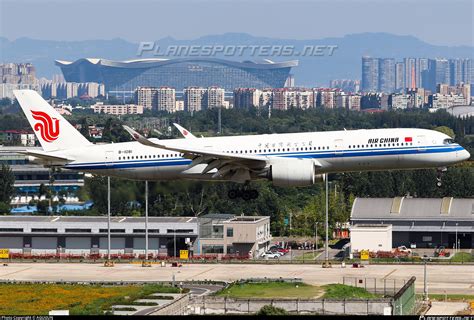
column 338, row 147
column 421, row 143
column 109, row 158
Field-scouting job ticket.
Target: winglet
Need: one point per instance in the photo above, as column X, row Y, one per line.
column 186, row 134
column 138, row 137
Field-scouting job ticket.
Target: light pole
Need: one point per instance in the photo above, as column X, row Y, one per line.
column 456, row 250
column 327, row 219
column 425, row 287
column 174, row 229
column 108, row 218
column 146, row 220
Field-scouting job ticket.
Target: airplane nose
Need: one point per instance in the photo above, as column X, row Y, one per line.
column 464, row 155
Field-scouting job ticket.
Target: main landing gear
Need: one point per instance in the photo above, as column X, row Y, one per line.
column 439, row 176
column 245, row 194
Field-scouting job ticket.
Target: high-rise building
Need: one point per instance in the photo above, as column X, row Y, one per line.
column 399, row 76
column 410, row 73
column 214, row 97
column 386, row 75
column 370, row 74
column 194, row 99
column 147, row 97
column 345, row 85
column 247, row 97
column 166, row 99
column 442, row 71
column 421, row 72
column 353, row 102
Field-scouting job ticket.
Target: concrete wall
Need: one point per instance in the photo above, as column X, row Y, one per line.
column 220, row 305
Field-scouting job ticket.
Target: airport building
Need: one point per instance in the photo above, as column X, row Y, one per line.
column 123, row 77
column 85, row 235
column 420, row 222
column 88, row 235
column 229, row 234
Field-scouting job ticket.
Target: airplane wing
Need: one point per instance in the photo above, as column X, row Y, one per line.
column 186, row 133
column 235, row 166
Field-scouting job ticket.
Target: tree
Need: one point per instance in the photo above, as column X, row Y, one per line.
column 7, row 189
column 446, row 130
column 269, row 310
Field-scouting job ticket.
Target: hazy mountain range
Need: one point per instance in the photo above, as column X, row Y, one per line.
column 345, row 63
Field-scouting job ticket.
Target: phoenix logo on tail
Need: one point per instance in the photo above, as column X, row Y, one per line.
column 47, row 126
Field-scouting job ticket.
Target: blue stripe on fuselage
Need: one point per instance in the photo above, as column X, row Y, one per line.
column 347, row 153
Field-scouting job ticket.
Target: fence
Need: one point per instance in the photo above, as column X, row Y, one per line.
column 386, row 287
column 399, row 299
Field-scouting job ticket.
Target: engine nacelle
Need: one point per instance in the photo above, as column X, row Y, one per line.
column 293, row 173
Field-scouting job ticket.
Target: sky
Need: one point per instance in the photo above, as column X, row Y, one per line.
column 439, row 22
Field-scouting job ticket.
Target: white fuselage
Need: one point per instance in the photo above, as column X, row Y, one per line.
column 336, row 151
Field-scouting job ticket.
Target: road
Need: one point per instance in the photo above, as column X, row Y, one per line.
column 441, row 278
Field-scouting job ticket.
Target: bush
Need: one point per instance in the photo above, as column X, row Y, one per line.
column 269, row 310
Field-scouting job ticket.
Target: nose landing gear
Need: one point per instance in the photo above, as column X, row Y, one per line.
column 439, row 176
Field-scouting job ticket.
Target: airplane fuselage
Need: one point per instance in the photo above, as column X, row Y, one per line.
column 335, row 151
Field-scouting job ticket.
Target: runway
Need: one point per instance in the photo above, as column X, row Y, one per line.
column 441, row 278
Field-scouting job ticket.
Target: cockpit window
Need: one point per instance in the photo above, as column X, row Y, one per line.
column 448, row 141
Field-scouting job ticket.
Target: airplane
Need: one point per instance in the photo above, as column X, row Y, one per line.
column 289, row 159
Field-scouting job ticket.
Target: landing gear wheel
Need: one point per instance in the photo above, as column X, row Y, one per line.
column 246, row 195
column 233, row 194
column 253, row 194
column 439, row 176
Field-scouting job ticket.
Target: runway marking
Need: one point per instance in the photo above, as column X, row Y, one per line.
column 7, row 274
column 388, row 274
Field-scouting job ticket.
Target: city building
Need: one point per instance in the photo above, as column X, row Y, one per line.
column 325, row 98
column 166, row 99
column 386, row 75
column 444, row 101
column 194, row 99
column 147, row 97
column 117, row 109
column 18, row 73
column 400, row 101
column 421, row 222
column 345, row 85
column 370, row 74
column 354, row 102
column 87, row 235
column 123, row 77
column 18, row 137
column 247, row 97
column 286, row 98
column 6, row 89
column 247, row 236
column 215, row 98
column 67, row 90
column 399, row 76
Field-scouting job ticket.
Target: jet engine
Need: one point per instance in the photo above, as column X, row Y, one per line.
column 293, row 173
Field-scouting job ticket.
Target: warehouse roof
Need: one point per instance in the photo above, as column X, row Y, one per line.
column 404, row 208
column 95, row 219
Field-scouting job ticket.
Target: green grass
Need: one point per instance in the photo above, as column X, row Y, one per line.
column 462, row 257
column 39, row 299
column 271, row 290
column 341, row 291
column 449, row 297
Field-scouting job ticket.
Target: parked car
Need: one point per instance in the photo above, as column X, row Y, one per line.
column 277, row 252
column 441, row 251
column 404, row 249
column 270, row 255
column 278, row 248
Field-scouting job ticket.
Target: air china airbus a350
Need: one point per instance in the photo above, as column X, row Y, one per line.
column 292, row 159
